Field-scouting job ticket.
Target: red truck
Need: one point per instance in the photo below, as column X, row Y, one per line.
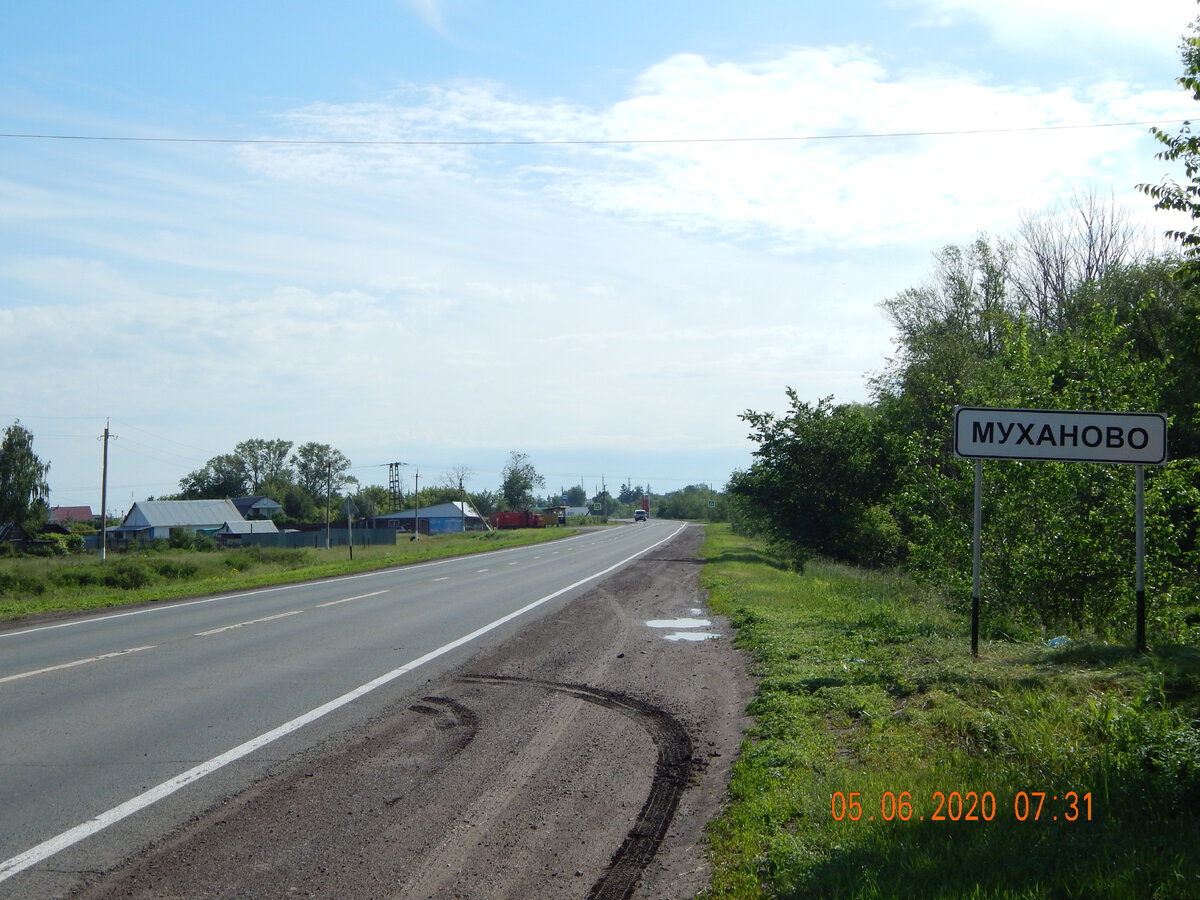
column 516, row 518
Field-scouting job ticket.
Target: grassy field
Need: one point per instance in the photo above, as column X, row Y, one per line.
column 887, row 762
column 32, row 585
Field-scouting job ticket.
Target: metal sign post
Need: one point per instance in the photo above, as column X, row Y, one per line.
column 1140, row 541
column 976, row 556
column 1139, row 439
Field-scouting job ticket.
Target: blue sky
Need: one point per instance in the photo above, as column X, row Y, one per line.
column 435, row 231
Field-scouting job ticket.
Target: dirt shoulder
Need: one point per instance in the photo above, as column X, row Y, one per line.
column 580, row 760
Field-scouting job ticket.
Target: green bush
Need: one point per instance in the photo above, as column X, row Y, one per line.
column 10, row 583
column 128, row 575
column 247, row 557
column 176, row 570
column 181, row 540
column 153, row 545
column 880, row 542
column 77, row 576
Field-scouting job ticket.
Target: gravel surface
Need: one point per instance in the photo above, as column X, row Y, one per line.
column 580, row 760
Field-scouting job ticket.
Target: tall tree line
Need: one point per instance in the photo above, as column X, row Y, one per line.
column 1067, row 313
column 302, row 481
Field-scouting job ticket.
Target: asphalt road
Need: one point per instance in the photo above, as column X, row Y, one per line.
column 115, row 728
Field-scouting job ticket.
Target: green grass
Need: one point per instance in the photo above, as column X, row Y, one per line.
column 35, row 585
column 867, row 686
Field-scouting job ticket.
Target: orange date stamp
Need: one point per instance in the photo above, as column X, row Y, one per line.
column 962, row 806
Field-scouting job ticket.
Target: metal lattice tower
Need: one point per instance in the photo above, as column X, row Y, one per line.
column 394, row 485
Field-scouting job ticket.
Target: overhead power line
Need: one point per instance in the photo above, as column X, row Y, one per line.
column 499, row 142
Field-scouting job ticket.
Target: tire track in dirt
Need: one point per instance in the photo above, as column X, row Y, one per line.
column 672, row 773
column 483, row 812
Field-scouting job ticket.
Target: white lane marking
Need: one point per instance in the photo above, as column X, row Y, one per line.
column 284, row 615
column 348, row 599
column 517, row 563
column 72, row 836
column 443, row 578
column 71, row 665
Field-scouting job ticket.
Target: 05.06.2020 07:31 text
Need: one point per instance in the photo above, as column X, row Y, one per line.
column 965, row 806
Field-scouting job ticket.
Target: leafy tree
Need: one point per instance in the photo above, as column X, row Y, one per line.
column 518, row 479
column 223, row 477
column 1183, row 146
column 606, row 503
column 265, row 461
column 320, row 470
column 24, row 491
column 298, row 505
column 818, row 481
column 692, row 502
column 630, row 494
column 485, row 502
column 372, row 500
column 576, row 496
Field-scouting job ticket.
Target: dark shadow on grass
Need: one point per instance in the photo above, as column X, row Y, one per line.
column 751, row 557
column 1094, row 656
column 806, row 685
column 1180, row 659
column 1180, row 667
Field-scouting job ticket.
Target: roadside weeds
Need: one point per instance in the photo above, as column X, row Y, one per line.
column 886, row 762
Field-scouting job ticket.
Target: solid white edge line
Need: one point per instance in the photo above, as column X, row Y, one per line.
column 60, row 842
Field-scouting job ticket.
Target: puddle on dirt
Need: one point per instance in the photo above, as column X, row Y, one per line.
column 685, row 623
column 679, row 623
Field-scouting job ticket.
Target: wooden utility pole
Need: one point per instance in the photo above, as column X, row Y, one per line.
column 104, row 495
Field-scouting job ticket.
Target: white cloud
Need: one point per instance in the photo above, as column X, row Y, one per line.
column 821, row 186
column 1069, row 26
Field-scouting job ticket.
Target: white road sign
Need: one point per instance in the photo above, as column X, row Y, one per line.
column 1063, row 435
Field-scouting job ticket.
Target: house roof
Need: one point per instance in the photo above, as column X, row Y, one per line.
column 441, row 511
column 258, row 526
column 62, row 514
column 181, row 513
column 258, row 504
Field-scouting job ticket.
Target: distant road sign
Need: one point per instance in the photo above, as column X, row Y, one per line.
column 1062, row 435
